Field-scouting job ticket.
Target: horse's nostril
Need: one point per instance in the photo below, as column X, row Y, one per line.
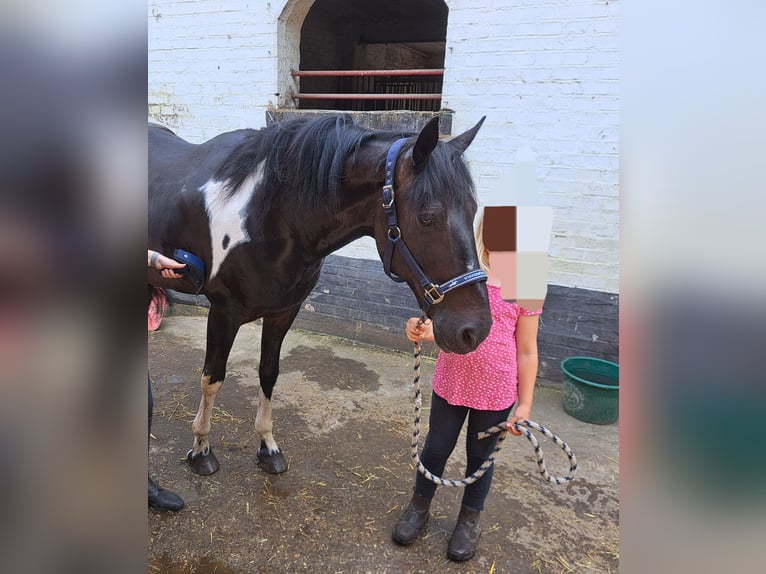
column 468, row 337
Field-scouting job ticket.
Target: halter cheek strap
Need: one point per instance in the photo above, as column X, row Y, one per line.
column 433, row 293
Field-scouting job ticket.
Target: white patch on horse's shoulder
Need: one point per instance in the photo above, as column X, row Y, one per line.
column 226, row 215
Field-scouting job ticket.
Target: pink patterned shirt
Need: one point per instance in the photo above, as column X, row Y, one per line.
column 487, row 378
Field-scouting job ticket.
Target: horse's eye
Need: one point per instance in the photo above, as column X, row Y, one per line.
column 427, row 219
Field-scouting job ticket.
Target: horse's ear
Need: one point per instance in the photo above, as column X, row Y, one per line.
column 426, row 142
column 462, row 141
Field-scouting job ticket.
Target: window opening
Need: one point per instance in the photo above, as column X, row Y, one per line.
column 367, row 56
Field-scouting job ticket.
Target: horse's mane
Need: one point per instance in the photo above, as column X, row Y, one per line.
column 305, row 156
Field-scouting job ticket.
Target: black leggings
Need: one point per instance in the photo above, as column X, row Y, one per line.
column 445, row 422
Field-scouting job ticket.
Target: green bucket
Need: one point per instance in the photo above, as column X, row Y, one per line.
column 591, row 389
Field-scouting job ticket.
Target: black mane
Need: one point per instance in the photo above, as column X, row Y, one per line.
column 304, row 157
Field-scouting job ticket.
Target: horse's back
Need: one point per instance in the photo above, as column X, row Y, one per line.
column 153, row 127
column 168, row 151
column 179, row 167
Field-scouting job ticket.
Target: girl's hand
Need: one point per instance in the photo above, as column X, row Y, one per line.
column 417, row 331
column 165, row 265
column 522, row 412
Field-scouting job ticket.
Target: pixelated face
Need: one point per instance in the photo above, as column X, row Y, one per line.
column 517, row 239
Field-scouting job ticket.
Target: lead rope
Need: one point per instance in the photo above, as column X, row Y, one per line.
column 522, row 426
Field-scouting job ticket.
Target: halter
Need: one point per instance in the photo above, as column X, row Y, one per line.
column 433, row 294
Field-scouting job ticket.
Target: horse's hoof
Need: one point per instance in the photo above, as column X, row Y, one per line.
column 273, row 463
column 203, row 464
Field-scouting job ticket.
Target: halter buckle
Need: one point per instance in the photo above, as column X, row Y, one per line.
column 390, row 189
column 435, row 299
column 394, row 233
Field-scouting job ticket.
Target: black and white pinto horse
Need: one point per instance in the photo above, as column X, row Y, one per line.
column 262, row 208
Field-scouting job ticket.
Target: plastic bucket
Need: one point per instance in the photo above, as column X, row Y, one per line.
column 591, row 389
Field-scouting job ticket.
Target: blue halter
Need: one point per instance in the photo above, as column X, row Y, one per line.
column 433, row 294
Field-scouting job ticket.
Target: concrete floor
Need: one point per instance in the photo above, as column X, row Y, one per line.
column 343, row 416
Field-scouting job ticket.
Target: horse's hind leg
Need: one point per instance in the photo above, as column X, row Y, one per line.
column 275, row 327
column 221, row 331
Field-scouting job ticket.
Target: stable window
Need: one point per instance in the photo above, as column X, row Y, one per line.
column 369, row 55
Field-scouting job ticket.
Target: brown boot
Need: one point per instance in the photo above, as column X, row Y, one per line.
column 413, row 521
column 466, row 535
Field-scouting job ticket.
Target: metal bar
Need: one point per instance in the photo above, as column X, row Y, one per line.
column 328, row 73
column 367, row 96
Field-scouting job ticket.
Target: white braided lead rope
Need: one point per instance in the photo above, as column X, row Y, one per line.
column 527, row 424
column 522, row 426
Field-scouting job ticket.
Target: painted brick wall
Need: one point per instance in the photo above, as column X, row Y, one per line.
column 546, row 74
column 212, row 64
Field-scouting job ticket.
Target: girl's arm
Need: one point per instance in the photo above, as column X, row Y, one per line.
column 526, row 357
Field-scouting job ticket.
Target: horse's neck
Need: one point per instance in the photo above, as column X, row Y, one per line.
column 337, row 232
column 359, row 205
column 329, row 231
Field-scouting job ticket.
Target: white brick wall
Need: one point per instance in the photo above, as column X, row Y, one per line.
column 214, row 61
column 545, row 72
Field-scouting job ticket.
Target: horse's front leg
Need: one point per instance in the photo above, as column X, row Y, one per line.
column 275, row 327
column 221, row 330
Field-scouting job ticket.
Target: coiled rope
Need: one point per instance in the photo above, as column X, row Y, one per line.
column 522, row 426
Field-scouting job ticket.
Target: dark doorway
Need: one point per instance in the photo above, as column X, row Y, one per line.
column 396, row 35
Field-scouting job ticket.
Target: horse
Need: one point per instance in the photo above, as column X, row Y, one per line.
column 259, row 210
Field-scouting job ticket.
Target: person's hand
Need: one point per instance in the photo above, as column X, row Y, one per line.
column 165, row 265
column 522, row 412
column 416, row 330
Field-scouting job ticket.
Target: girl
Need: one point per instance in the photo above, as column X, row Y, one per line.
column 482, row 385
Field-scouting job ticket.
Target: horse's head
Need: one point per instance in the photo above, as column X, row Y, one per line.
column 435, row 205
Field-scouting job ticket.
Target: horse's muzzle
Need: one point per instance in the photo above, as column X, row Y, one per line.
column 463, row 338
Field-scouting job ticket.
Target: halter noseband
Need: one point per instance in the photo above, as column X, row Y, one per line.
column 433, row 294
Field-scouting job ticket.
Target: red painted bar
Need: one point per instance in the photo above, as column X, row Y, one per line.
column 362, row 73
column 367, row 96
